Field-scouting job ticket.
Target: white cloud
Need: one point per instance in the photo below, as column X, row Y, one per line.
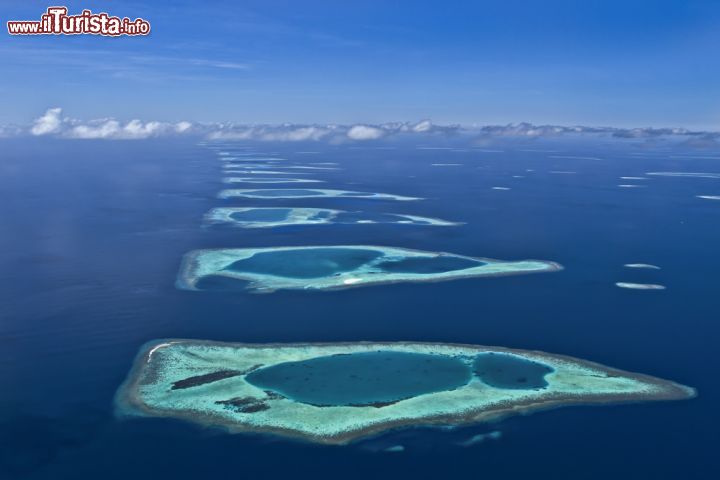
column 49, row 123
column 132, row 130
column 103, row 130
column 365, row 132
column 182, row 127
column 424, row 126
column 298, row 134
column 271, row 133
column 53, row 123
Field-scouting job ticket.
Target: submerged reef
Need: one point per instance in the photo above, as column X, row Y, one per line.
column 335, row 267
column 685, row 174
column 642, row 265
column 640, row 286
column 260, row 172
column 337, row 393
column 307, row 193
column 262, row 217
column 269, row 180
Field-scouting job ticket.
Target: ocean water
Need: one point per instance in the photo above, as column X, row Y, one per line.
column 93, row 232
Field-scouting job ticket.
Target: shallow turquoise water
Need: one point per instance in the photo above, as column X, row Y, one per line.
column 306, row 262
column 261, row 215
column 357, row 194
column 322, row 215
column 377, row 217
column 428, row 264
column 323, row 262
column 508, row 371
column 362, row 378
column 283, row 193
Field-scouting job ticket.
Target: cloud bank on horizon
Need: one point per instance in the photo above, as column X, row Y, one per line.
column 54, row 124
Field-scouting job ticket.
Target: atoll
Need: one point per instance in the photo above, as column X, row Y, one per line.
column 335, row 267
column 337, row 393
column 265, row 217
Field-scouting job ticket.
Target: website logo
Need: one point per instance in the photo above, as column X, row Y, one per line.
column 56, row 21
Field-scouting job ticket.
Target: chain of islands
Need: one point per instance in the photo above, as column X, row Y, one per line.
column 338, row 393
column 263, row 270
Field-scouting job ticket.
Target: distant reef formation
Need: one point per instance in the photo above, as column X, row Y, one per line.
column 336, row 267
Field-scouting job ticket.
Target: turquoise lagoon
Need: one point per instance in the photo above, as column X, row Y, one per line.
column 336, row 267
column 262, row 217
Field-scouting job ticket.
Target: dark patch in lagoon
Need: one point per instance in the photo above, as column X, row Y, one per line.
column 210, row 378
column 244, row 404
column 378, row 378
column 510, row 372
column 203, row 379
column 305, row 263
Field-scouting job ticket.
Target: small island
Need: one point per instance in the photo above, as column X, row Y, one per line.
column 264, row 270
column 307, row 193
column 267, row 217
column 337, row 393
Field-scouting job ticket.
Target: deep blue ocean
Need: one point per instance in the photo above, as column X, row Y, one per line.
column 92, row 234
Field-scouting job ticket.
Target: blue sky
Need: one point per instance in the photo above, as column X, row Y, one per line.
column 620, row 63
